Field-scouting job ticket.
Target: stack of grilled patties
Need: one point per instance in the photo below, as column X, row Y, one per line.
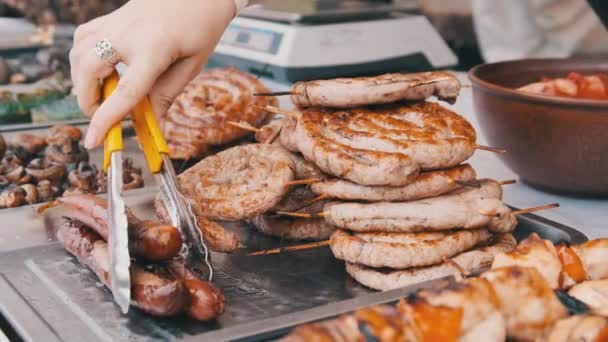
column 405, row 206
column 196, row 124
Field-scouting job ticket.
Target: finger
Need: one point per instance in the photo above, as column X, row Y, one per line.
column 132, row 86
column 172, row 82
column 85, row 30
column 89, row 70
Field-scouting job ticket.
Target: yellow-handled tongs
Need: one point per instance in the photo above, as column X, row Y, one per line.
column 156, row 152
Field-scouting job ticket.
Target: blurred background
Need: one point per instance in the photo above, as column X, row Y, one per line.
column 35, row 37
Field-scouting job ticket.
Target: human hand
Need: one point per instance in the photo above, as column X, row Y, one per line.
column 164, row 45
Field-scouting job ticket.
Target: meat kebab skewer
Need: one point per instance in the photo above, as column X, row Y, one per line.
column 296, row 115
column 328, row 242
column 382, row 89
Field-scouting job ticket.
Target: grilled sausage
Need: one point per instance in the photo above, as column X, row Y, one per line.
column 387, row 88
column 387, row 145
column 149, row 292
column 149, row 240
column 467, row 208
column 427, row 184
column 470, row 262
column 206, row 301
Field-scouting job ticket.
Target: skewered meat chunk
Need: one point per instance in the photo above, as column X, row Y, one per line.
column 579, row 328
column 31, row 193
column 427, row 184
column 471, row 262
column 387, row 145
column 199, row 115
column 594, row 293
column 467, row 208
column 40, row 169
column 528, row 303
column 387, row 88
column 13, row 196
column 403, row 250
column 239, row 183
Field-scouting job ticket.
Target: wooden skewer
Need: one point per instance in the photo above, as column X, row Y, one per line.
column 276, row 110
column 292, row 248
column 276, row 93
column 507, row 182
column 243, row 125
column 303, row 181
column 491, row 149
column 293, row 214
column 316, row 199
column 534, row 209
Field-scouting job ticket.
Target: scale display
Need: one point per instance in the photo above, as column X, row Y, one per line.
column 252, row 38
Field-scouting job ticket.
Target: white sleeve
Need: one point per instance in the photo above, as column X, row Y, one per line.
column 531, row 28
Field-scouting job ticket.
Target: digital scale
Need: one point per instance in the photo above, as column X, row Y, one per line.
column 291, row 41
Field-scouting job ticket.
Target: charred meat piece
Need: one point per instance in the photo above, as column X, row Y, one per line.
column 30, row 144
column 40, row 169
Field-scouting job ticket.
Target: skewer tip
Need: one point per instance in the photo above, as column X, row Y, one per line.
column 491, row 149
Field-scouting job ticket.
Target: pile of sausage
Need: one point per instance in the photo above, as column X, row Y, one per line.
column 390, row 175
column 538, row 292
column 37, row 169
column 161, row 284
column 197, row 122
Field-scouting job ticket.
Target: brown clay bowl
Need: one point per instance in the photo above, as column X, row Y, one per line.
column 553, row 143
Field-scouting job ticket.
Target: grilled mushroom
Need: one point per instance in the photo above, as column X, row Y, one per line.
column 60, row 134
column 30, row 144
column 40, row 170
column 83, row 177
column 18, row 176
column 47, row 191
column 69, row 153
column 131, row 180
column 31, row 193
column 11, row 197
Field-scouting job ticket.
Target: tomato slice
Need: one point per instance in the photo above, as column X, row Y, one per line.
column 571, row 264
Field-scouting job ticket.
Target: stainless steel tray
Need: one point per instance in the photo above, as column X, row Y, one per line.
column 48, row 296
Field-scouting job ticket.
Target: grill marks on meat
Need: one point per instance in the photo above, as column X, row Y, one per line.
column 198, row 116
column 403, row 250
column 528, row 304
column 238, row 183
column 460, row 209
column 386, row 145
column 427, row 184
column 473, row 262
column 387, row 88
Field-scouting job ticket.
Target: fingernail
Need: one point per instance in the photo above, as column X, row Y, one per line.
column 90, row 141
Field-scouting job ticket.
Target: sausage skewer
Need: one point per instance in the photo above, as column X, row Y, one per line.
column 327, row 242
column 362, row 91
column 297, row 115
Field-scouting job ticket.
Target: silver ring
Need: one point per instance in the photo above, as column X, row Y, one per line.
column 106, row 52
